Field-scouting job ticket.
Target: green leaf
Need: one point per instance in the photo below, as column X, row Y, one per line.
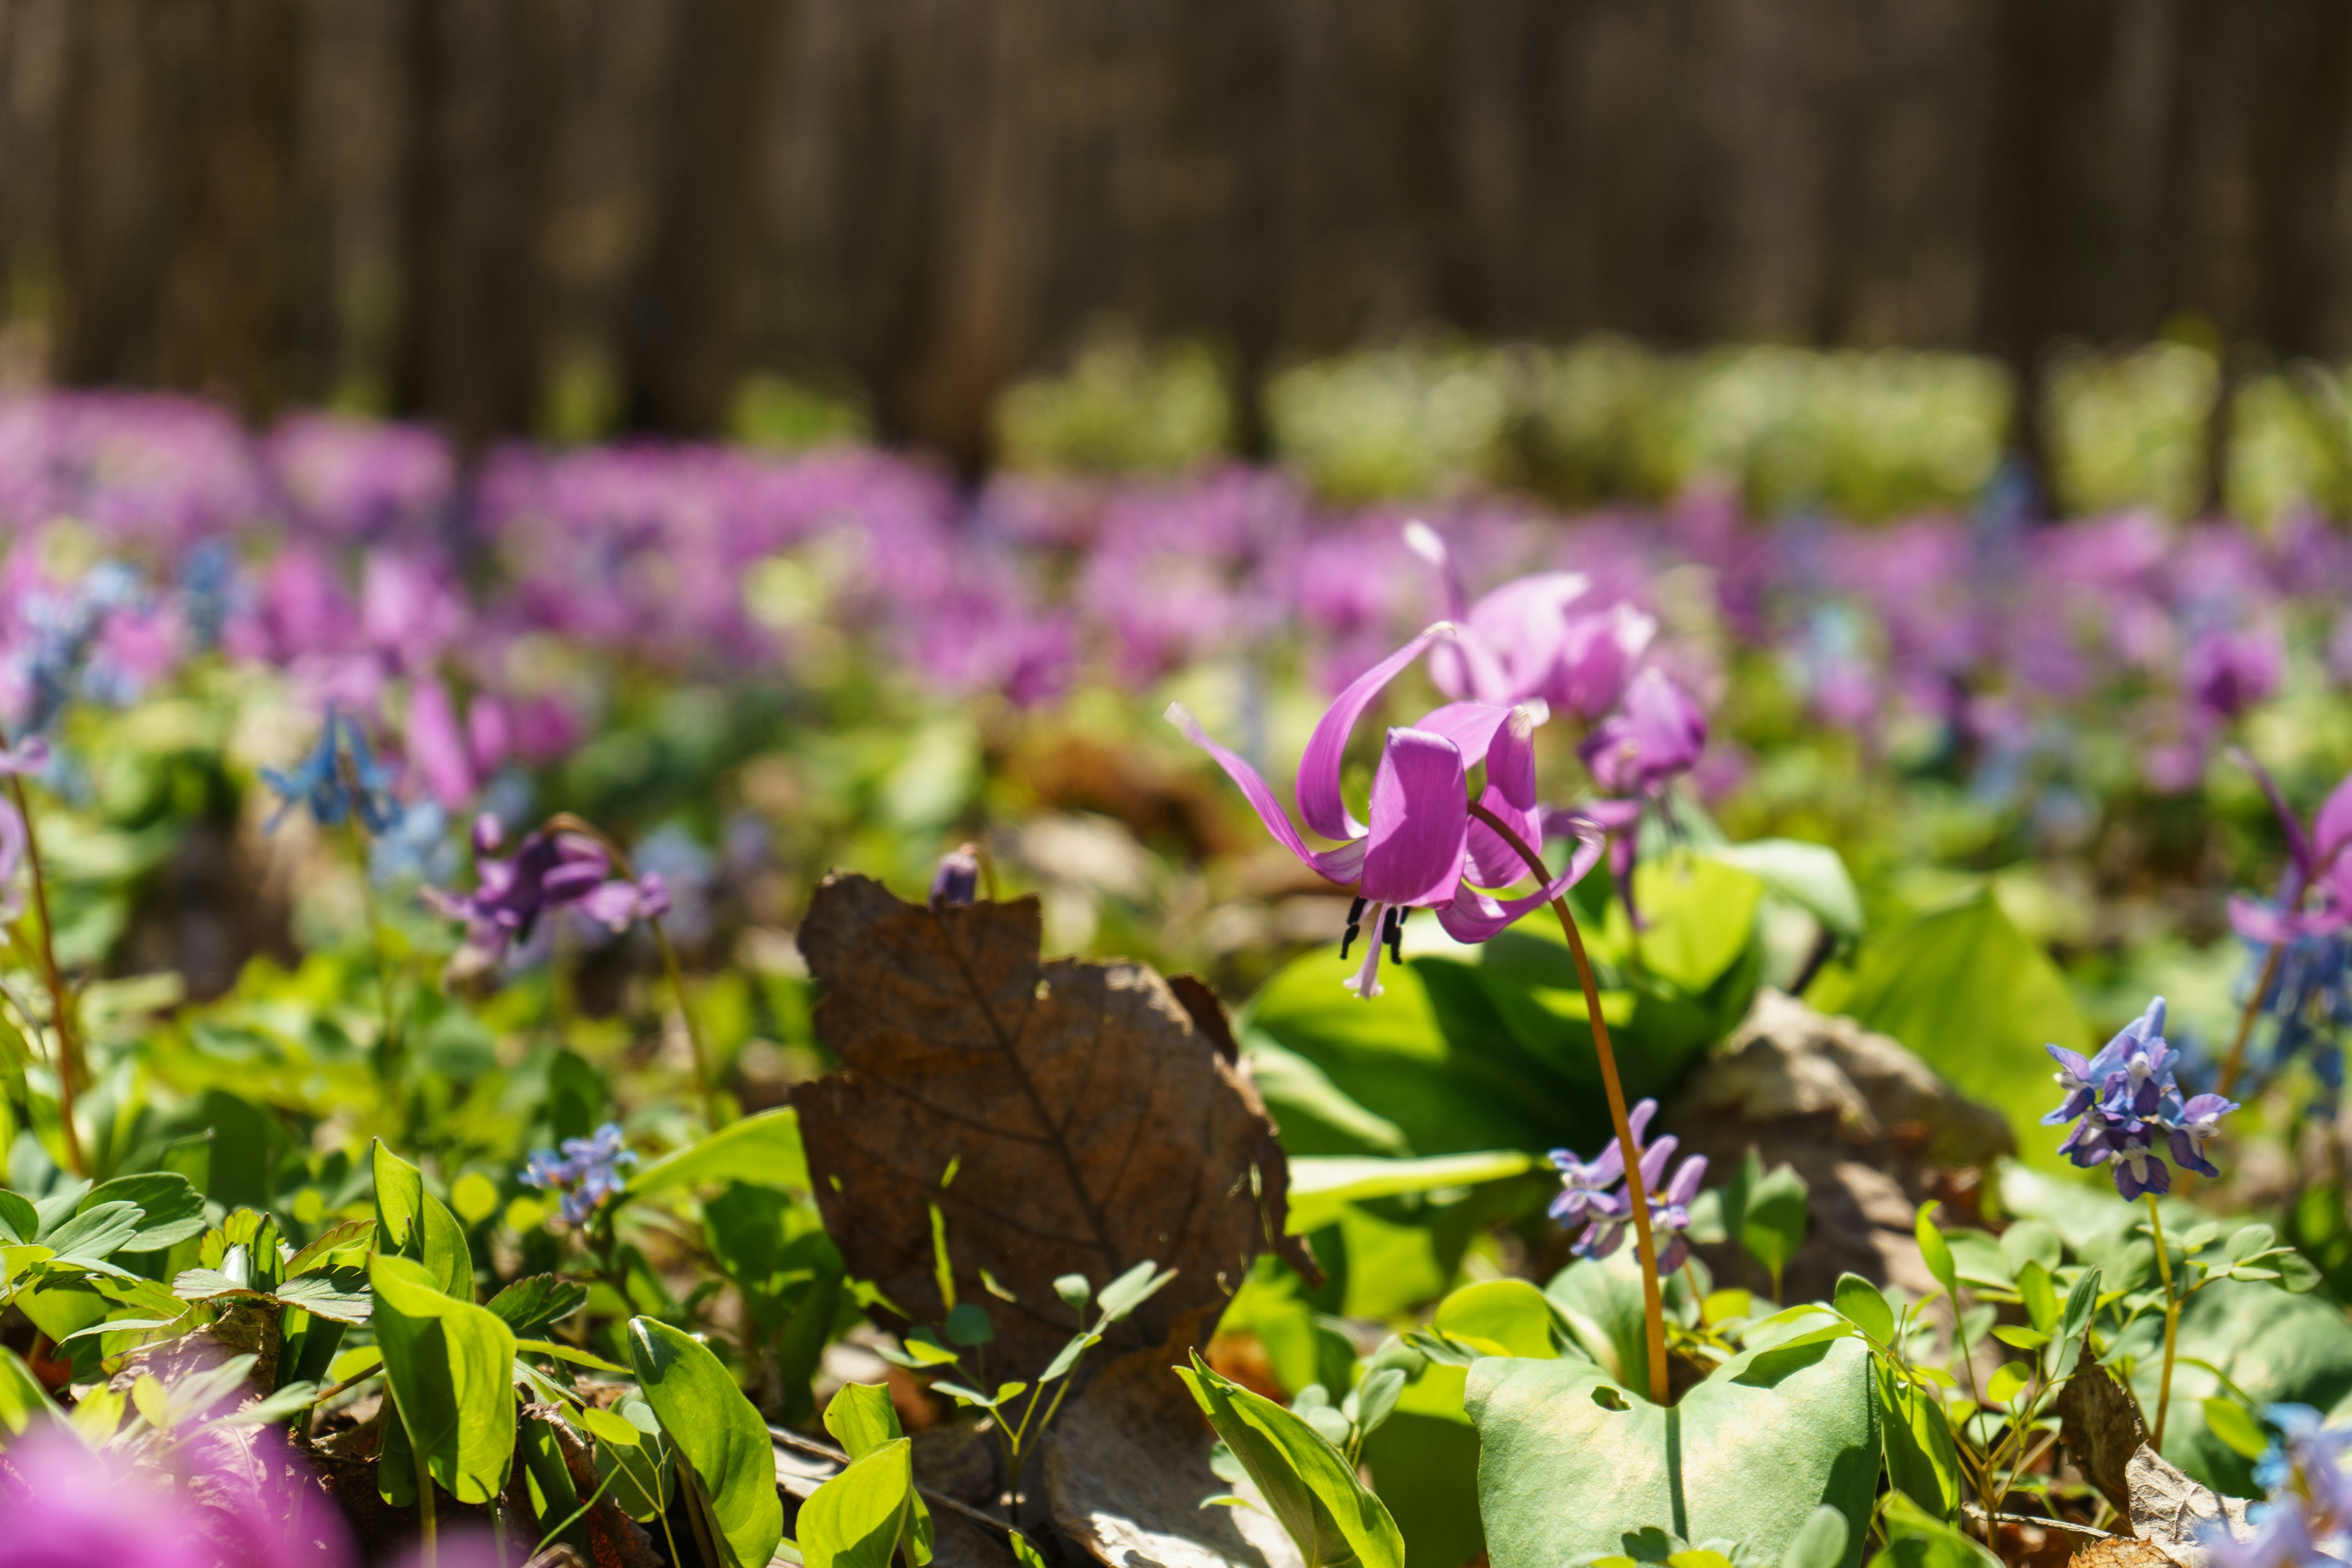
column 557, row 1350
column 855, row 1520
column 862, row 1420
column 763, row 1151
column 717, row 1434
column 1978, row 1000
column 96, row 1233
column 1937, row 1255
column 1774, row 1226
column 1922, row 1462
column 1572, row 1462
column 2019, row 1338
column 1376, row 1398
column 1068, row 1357
column 412, row 1223
column 2234, row 1425
column 2033, row 1241
column 1811, row 875
column 1600, row 1302
column 338, row 1295
column 531, row 1304
column 2276, row 1348
column 1322, row 1186
column 966, row 1325
column 2008, row 1381
column 2297, row 1274
column 1330, row 1517
column 1864, row 1305
column 1073, row 1290
column 1131, row 1289
column 2040, row 1298
column 1916, row 1539
column 2248, row 1241
column 23, row 1403
column 20, row 1222
column 1499, row 1316
column 172, row 1210
column 450, row 1365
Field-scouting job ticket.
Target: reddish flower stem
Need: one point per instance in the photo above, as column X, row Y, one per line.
column 1653, row 1300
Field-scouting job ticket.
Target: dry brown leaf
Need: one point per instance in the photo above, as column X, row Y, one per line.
column 2099, row 1423
column 1127, row 1466
column 2172, row 1512
column 1088, row 1121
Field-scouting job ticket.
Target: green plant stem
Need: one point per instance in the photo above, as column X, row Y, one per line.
column 424, row 1504
column 1654, row 1301
column 2171, row 1323
column 389, row 1012
column 2235, row 1060
column 61, row 1005
column 698, row 1512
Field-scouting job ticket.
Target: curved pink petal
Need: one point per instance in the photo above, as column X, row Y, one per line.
column 1687, row 1177
column 1343, row 865
column 1469, row 725
column 1473, row 916
column 1421, row 821
column 1525, row 623
column 29, row 755
column 2331, row 830
column 1318, row 769
column 1511, row 754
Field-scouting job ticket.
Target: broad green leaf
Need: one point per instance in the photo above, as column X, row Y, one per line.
column 339, row 1295
column 1570, row 1461
column 2009, row 1380
column 1330, row 1517
column 1701, row 919
column 2033, row 1241
column 1978, row 1000
column 349, row 1236
column 2235, row 1427
column 450, row 1365
column 855, row 1520
column 717, row 1433
column 1811, row 876
column 862, row 1419
column 1502, row 1317
column 20, row 1222
column 1321, row 1186
column 2040, row 1298
column 412, row 1223
column 763, row 1151
column 2248, row 1240
column 572, row 1353
column 1425, row 1465
column 1921, row 1461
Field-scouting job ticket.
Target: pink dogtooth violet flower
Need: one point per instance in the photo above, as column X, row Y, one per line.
column 1508, row 647
column 1420, row 847
column 2315, row 892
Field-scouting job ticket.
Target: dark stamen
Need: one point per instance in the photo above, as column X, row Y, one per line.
column 1393, row 932
column 1355, row 928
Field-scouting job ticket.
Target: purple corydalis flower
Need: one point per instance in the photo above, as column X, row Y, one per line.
column 587, row 1175
column 2307, row 1518
column 2128, row 1110
column 1416, row 850
column 1593, row 1194
column 552, row 868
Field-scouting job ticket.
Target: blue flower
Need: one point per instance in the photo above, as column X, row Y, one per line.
column 338, row 779
column 2307, row 1518
column 2128, row 1111
column 587, row 1175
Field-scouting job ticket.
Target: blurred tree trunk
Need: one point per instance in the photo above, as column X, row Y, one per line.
column 473, row 210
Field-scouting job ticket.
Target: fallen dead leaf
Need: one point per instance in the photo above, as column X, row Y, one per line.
column 2099, row 1421
column 2172, row 1513
column 1058, row 1118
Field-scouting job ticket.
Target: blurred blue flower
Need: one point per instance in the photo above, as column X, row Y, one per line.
column 587, row 1173
column 2307, row 1517
column 340, row 777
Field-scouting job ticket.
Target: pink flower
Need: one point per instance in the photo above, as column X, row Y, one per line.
column 1418, row 850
